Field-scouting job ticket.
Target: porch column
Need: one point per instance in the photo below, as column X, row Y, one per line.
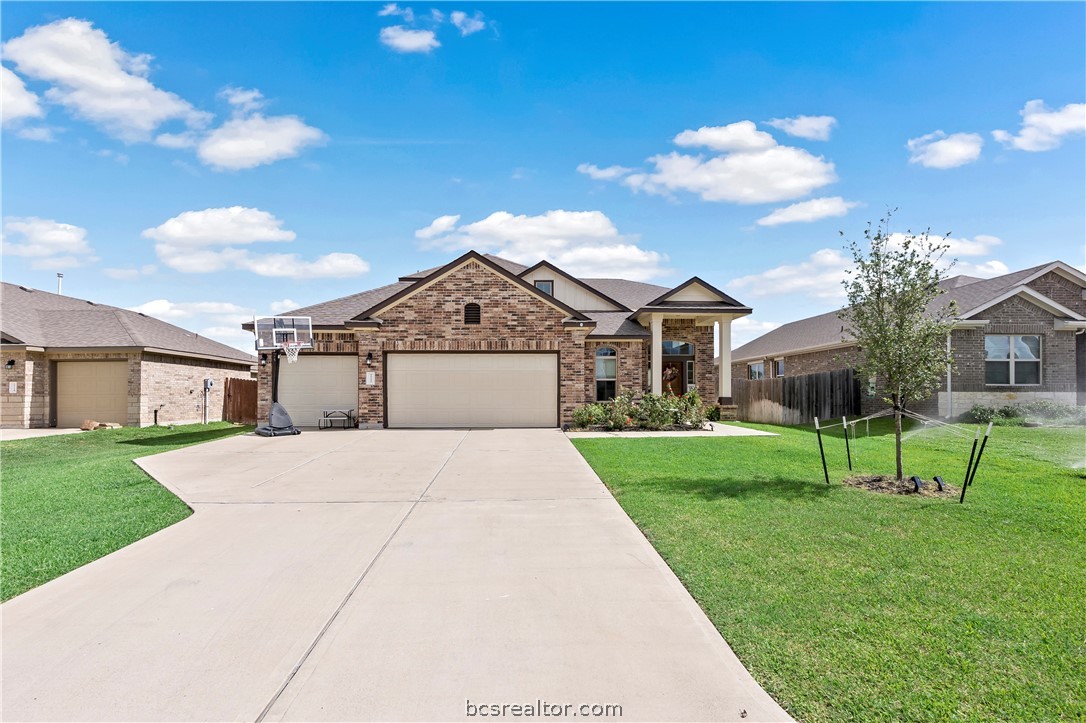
column 724, row 355
column 657, row 325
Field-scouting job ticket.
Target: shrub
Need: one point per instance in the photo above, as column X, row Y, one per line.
column 712, row 413
column 654, row 411
column 621, row 411
column 1047, row 409
column 690, row 410
column 590, row 415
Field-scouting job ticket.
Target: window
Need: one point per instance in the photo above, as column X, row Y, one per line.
column 606, row 373
column 473, row 314
column 690, row 384
column 678, row 348
column 546, row 286
column 778, row 367
column 756, row 371
column 1012, row 360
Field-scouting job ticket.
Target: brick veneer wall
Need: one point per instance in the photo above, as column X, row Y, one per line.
column 632, row 367
column 1061, row 290
column 685, row 330
column 175, row 387
column 29, row 405
column 433, row 320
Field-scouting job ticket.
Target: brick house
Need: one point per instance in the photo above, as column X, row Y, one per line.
column 484, row 341
column 1018, row 338
column 65, row 360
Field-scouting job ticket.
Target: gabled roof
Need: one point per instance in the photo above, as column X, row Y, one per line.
column 369, row 316
column 574, row 281
column 971, row 295
column 632, row 294
column 42, row 319
column 664, row 299
column 511, row 266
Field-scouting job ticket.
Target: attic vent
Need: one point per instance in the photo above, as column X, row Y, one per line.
column 473, row 314
column 29, row 291
column 92, row 303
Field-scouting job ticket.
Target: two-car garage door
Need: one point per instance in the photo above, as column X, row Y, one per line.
column 472, row 390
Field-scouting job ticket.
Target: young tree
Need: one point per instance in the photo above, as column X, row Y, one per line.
column 895, row 317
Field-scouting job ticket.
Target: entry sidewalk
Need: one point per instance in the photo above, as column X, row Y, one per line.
column 381, row 575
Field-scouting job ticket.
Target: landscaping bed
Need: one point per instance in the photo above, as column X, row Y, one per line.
column 890, row 485
column 847, row 605
column 70, row 499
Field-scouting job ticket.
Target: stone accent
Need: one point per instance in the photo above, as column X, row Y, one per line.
column 964, row 401
column 432, row 319
column 729, row 412
column 154, row 381
column 632, row 367
column 174, row 386
column 701, row 337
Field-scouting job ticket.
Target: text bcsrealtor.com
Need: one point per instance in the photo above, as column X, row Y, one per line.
column 541, row 709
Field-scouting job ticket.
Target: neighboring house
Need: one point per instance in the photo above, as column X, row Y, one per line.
column 484, row 341
column 1018, row 337
column 66, row 360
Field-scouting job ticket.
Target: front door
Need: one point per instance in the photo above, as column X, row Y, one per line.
column 673, row 378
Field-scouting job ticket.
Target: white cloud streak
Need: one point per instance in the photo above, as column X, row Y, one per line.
column 47, row 243
column 611, row 173
column 939, row 150
column 811, row 127
column 584, row 243
column 1044, row 129
column 403, row 39
column 467, row 24
column 808, row 211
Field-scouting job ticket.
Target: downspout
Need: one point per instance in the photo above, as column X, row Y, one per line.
column 949, row 382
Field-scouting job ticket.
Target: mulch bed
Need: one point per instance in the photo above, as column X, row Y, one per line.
column 888, row 485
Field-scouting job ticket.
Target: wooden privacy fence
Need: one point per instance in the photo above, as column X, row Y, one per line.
column 239, row 401
column 799, row 399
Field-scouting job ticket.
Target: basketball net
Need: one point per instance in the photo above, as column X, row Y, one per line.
column 292, row 348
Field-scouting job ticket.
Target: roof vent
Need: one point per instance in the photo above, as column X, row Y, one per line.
column 31, row 291
column 91, row 303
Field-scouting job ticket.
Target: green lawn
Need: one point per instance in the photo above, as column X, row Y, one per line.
column 70, row 499
column 850, row 605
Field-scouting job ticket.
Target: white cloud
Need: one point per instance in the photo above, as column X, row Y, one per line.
column 750, row 167
column 584, row 243
column 611, row 173
column 405, row 40
column 1043, row 128
column 126, row 274
column 188, row 139
column 278, row 307
column 437, row 16
column 206, row 241
column 774, row 174
column 807, row 211
column 48, row 243
column 98, row 80
column 979, row 245
column 746, row 329
column 392, row 9
column 38, row 133
column 938, row 150
column 467, row 24
column 440, row 225
column 256, row 140
column 16, row 102
column 734, row 137
column 811, row 127
column 819, row 277
column 218, row 226
column 165, row 309
column 244, row 100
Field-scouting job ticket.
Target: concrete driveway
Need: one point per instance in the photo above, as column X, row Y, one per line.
column 381, row 575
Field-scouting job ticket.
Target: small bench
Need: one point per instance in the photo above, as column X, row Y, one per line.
column 336, row 418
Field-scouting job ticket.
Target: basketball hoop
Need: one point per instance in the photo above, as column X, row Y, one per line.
column 292, row 348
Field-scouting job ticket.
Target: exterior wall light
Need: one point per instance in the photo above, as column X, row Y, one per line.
column 10, row 364
column 263, row 360
column 369, row 359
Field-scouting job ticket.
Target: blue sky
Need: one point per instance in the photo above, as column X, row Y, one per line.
column 208, row 161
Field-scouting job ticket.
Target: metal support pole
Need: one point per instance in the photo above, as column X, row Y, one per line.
column 980, row 453
column 821, row 451
column 969, row 467
column 848, row 450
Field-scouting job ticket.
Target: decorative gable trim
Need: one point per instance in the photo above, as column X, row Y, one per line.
column 1034, row 297
column 691, row 281
column 367, row 317
column 575, row 281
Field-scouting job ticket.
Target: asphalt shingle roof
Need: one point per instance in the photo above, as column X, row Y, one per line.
column 826, row 329
column 40, row 318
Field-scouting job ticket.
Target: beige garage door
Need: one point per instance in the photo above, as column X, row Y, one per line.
column 472, row 390
column 92, row 390
column 315, row 383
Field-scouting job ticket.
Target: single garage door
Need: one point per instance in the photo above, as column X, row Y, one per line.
column 92, row 390
column 472, row 390
column 316, row 382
